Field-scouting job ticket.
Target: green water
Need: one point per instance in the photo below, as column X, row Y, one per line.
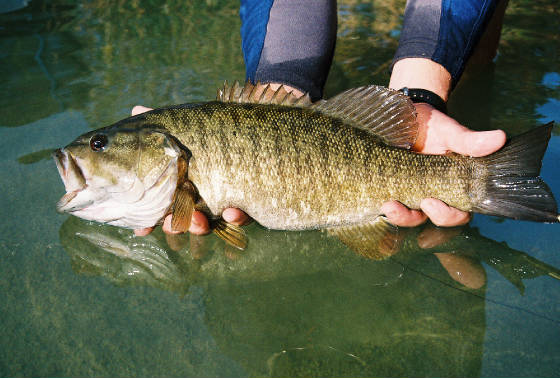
column 79, row 299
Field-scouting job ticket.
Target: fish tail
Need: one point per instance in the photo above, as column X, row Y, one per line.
column 513, row 186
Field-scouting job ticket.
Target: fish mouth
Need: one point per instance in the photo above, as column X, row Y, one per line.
column 73, row 179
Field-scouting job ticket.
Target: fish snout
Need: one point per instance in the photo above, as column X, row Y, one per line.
column 68, row 170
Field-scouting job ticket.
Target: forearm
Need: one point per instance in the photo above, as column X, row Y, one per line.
column 421, row 73
column 289, row 42
column 444, row 32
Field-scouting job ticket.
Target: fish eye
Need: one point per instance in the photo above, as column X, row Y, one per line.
column 98, row 142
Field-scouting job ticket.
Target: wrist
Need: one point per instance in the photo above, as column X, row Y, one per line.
column 421, row 73
column 424, row 96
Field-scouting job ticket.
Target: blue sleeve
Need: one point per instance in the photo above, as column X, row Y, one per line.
column 254, row 18
column 445, row 31
column 289, row 42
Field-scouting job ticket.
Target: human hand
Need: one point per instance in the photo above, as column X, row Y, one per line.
column 199, row 222
column 439, row 134
column 461, row 268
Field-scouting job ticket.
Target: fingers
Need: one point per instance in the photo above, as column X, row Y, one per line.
column 199, row 224
column 439, row 134
column 139, row 109
column 442, row 215
column 432, row 236
column 400, row 215
column 236, row 217
column 439, row 213
column 466, row 271
column 143, row 231
column 476, row 143
column 166, row 226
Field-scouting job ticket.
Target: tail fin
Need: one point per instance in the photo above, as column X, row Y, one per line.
column 513, row 188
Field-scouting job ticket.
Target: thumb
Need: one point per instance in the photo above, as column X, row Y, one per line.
column 475, row 143
column 439, row 133
column 138, row 109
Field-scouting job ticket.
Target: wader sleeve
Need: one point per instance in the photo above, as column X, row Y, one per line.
column 289, row 42
column 445, row 31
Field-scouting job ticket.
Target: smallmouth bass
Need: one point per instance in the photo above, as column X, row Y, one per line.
column 289, row 164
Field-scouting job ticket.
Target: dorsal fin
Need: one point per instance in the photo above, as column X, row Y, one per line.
column 261, row 94
column 384, row 112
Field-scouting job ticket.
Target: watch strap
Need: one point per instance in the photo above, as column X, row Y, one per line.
column 418, row 95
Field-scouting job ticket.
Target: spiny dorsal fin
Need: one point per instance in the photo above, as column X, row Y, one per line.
column 384, row 112
column 261, row 94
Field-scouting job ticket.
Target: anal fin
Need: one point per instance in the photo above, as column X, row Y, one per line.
column 377, row 240
column 231, row 234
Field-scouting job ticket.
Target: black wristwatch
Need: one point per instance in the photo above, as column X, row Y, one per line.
column 423, row 95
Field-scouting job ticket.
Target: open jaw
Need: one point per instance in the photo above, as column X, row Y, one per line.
column 133, row 205
column 73, row 179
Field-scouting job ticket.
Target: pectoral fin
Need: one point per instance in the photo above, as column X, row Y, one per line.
column 183, row 207
column 231, row 234
column 376, row 240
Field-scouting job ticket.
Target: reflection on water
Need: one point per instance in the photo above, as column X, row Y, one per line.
column 96, row 301
column 301, row 304
column 174, row 262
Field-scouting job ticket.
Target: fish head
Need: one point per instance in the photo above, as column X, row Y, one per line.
column 124, row 177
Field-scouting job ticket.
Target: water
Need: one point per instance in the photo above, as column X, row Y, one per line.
column 79, row 299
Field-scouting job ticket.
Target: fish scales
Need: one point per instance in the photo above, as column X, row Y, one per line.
column 290, row 164
column 296, row 168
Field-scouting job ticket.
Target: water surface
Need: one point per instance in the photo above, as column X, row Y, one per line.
column 80, row 299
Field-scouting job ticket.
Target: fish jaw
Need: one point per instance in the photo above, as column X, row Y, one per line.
column 137, row 207
column 69, row 171
column 74, row 183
